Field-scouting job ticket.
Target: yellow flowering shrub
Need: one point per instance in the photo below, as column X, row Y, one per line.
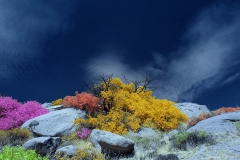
column 113, row 122
column 143, row 105
column 57, row 102
column 133, row 108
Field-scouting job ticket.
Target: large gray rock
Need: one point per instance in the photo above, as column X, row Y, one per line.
column 43, row 145
column 145, row 132
column 221, row 124
column 69, row 150
column 46, row 105
column 51, row 108
column 192, row 110
column 55, row 123
column 105, row 141
column 227, row 147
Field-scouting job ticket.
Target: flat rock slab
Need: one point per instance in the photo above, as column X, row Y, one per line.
column 221, row 124
column 192, row 110
column 104, row 140
column 57, row 123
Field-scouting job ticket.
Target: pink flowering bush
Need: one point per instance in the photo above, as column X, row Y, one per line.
column 31, row 109
column 84, row 133
column 8, row 104
column 8, row 108
column 13, row 114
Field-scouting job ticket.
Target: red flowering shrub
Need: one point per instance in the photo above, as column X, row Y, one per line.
column 83, row 101
column 200, row 118
column 224, row 110
column 13, row 114
column 211, row 114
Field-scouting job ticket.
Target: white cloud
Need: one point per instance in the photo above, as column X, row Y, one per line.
column 210, row 55
column 23, row 28
column 231, row 78
column 110, row 63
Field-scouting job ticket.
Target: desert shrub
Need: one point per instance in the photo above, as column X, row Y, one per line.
column 183, row 126
column 57, row 102
column 147, row 142
column 20, row 153
column 228, row 109
column 13, row 114
column 183, row 139
column 133, row 108
column 14, row 137
column 237, row 124
column 83, row 101
column 70, row 137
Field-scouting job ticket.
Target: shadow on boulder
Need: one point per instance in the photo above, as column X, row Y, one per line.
column 116, row 151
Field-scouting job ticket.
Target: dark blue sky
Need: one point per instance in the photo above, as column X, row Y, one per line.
column 192, row 47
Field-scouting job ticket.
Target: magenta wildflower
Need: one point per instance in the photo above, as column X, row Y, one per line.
column 84, row 133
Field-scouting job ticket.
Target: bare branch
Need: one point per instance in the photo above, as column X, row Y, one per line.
column 144, row 83
column 105, row 84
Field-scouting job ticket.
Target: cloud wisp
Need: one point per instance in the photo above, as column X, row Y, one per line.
column 209, row 56
column 24, row 28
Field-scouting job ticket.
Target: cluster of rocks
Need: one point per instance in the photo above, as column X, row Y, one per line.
column 48, row 128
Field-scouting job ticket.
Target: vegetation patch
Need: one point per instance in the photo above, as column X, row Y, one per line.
column 182, row 140
column 19, row 153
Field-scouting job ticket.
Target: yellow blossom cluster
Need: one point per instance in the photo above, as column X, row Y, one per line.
column 133, row 108
column 57, row 102
column 113, row 122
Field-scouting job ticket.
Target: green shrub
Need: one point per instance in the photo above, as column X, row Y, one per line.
column 19, row 153
column 237, row 124
column 183, row 139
